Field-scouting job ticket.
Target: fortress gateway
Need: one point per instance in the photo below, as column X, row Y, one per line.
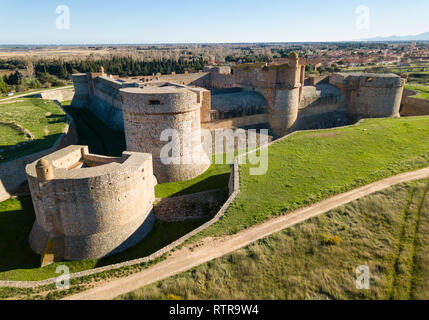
column 89, row 206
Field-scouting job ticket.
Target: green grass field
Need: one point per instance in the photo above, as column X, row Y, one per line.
column 423, row 91
column 313, row 165
column 387, row 231
column 19, row 262
column 44, row 119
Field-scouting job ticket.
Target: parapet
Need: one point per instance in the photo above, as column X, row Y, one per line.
column 89, row 206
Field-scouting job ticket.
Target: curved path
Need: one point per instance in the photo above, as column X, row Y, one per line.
column 186, row 259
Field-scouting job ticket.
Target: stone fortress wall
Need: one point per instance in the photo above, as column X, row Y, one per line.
column 90, row 206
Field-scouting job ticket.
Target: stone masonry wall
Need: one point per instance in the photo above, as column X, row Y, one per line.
column 92, row 212
column 149, row 112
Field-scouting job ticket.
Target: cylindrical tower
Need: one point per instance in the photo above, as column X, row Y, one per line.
column 165, row 121
column 81, row 97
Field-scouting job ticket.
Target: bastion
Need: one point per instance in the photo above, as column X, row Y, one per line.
column 165, row 121
column 282, row 87
column 89, row 206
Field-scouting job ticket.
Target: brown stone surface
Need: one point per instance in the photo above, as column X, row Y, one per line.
column 91, row 206
column 148, row 112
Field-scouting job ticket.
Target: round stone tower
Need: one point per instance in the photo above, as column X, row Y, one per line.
column 283, row 114
column 165, row 121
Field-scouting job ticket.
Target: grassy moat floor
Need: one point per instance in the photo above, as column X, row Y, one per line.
column 43, row 119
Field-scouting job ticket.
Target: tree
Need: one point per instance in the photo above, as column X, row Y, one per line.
column 4, row 88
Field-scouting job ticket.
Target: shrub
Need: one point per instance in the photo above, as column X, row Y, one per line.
column 173, row 297
column 330, row 240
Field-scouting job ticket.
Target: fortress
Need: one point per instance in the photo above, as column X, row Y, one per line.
column 89, row 206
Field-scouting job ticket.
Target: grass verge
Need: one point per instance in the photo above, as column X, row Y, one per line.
column 297, row 263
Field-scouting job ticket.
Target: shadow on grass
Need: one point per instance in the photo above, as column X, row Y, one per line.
column 211, row 183
column 15, row 228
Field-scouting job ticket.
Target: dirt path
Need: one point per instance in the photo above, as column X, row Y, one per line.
column 186, row 259
column 33, row 93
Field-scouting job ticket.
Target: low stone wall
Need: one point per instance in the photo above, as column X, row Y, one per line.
column 59, row 95
column 12, row 173
column 414, row 106
column 192, row 206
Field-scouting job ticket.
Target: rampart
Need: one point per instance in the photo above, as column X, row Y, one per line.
column 12, row 173
column 282, row 87
column 90, row 206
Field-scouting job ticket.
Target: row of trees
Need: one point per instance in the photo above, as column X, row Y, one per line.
column 46, row 73
column 122, row 66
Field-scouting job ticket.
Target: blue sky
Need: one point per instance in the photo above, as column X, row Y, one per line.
column 143, row 21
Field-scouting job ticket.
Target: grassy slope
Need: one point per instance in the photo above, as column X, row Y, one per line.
column 296, row 264
column 36, row 116
column 310, row 166
column 423, row 91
